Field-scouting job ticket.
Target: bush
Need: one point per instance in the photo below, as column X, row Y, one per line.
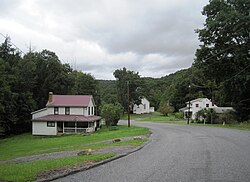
column 165, row 108
column 111, row 113
column 207, row 115
column 179, row 115
column 227, row 117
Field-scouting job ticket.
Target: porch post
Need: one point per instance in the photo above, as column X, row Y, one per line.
column 63, row 126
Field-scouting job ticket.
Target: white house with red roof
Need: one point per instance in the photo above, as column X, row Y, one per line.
column 66, row 114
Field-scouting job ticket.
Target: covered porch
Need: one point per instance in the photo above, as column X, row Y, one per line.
column 59, row 124
column 188, row 113
column 76, row 127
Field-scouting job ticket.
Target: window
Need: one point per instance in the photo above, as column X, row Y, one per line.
column 50, row 124
column 188, row 114
column 91, row 124
column 67, row 110
column 92, row 110
column 88, row 110
column 196, row 105
column 56, row 110
column 82, row 124
column 69, row 124
column 144, row 106
column 207, row 105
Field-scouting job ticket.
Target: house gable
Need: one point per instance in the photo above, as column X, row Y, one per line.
column 142, row 108
column 67, row 114
column 202, row 103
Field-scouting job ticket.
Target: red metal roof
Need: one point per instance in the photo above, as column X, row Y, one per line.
column 72, row 118
column 70, row 100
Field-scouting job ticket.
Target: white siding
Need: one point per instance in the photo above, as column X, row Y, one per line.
column 85, row 111
column 76, row 111
column 40, row 128
column 202, row 104
column 43, row 112
column 144, row 107
column 61, row 110
column 90, row 110
column 151, row 109
column 40, row 114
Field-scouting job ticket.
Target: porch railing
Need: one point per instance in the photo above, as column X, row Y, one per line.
column 77, row 130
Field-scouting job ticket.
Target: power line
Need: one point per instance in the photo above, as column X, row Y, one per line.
column 218, row 53
column 238, row 73
column 6, row 37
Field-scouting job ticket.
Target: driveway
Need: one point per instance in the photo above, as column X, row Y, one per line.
column 179, row 153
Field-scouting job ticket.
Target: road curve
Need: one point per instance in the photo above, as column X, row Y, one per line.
column 180, row 153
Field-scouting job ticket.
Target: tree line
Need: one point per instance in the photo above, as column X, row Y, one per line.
column 221, row 69
column 26, row 80
column 221, row 72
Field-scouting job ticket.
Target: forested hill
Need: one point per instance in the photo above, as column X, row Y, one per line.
column 173, row 88
column 26, row 80
column 221, row 72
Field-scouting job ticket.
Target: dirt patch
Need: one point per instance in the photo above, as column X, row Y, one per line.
column 63, row 171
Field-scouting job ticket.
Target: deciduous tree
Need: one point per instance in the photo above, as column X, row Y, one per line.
column 224, row 53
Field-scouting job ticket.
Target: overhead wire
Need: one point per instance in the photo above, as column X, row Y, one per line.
column 20, row 50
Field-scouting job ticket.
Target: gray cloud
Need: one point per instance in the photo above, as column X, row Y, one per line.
column 153, row 37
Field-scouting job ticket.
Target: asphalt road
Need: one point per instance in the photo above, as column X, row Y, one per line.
column 180, row 153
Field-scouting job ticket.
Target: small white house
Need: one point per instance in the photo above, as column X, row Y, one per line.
column 143, row 108
column 199, row 104
column 66, row 114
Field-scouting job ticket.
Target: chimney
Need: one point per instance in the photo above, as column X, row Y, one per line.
column 50, row 97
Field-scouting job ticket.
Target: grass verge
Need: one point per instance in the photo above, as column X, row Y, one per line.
column 173, row 120
column 26, row 144
column 239, row 126
column 162, row 119
column 28, row 171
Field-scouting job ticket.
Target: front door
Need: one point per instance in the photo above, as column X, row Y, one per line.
column 60, row 127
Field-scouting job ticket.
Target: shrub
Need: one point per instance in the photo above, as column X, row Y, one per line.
column 207, row 115
column 111, row 113
column 227, row 117
column 166, row 108
column 179, row 115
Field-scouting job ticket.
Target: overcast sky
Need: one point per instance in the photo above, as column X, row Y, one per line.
column 153, row 37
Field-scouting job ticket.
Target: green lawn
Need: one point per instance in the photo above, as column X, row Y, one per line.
column 240, row 126
column 132, row 116
column 26, row 144
column 138, row 116
column 163, row 119
column 28, row 171
column 173, row 120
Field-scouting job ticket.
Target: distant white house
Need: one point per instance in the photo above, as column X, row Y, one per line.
column 65, row 114
column 143, row 108
column 202, row 103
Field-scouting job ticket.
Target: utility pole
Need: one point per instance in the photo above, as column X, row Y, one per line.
column 128, row 104
column 189, row 97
